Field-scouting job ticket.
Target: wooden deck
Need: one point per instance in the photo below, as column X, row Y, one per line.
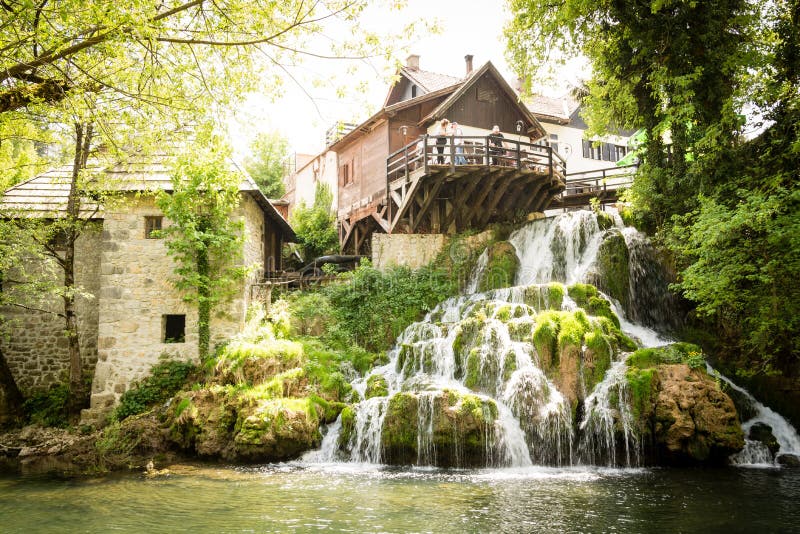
column 469, row 184
column 605, row 185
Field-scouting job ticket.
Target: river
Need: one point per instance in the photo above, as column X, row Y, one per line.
column 362, row 498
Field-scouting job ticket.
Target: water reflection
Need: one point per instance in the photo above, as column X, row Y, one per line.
column 359, row 498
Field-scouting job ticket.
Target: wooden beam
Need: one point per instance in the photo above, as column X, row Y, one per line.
column 472, row 207
column 433, row 190
column 496, row 197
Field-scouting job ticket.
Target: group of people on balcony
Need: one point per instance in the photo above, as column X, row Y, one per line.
column 447, row 129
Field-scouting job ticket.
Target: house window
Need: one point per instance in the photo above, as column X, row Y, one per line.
column 174, row 328
column 347, row 174
column 619, row 152
column 554, row 142
column 413, row 91
column 152, row 224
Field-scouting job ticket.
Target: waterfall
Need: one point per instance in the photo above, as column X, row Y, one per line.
column 756, row 452
column 467, row 387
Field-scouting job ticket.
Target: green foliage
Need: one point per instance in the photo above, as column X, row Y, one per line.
column 686, row 353
column 49, row 408
column 315, row 226
column 203, row 237
column 743, row 266
column 165, row 380
column 376, row 387
column 266, row 163
column 372, row 307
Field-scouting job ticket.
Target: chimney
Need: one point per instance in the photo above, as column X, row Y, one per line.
column 468, row 60
column 412, row 62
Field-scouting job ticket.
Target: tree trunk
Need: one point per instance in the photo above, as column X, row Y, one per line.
column 72, row 230
column 11, row 393
column 203, row 305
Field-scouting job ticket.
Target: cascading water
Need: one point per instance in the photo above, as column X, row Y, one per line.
column 478, row 383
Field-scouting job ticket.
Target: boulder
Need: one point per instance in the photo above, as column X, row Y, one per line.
column 789, row 460
column 762, row 433
column 694, row 420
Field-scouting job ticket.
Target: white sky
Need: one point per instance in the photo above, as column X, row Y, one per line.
column 467, row 27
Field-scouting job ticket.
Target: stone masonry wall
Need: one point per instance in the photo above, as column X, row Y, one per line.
column 136, row 292
column 35, row 346
column 410, row 250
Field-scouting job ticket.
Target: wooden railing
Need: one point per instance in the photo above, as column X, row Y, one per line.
column 603, row 184
column 465, row 150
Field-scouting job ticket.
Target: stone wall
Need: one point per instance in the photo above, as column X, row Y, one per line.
column 35, row 345
column 410, row 250
column 137, row 292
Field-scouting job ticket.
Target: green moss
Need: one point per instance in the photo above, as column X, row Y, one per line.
column 545, row 338
column 376, row 387
column 599, row 353
column 472, row 378
column 348, row 416
column 503, row 313
column 399, row 433
column 555, row 296
column 642, row 385
column 604, row 220
column 612, row 265
column 501, row 266
column 573, row 326
column 686, row 353
column 509, row 365
column 580, row 293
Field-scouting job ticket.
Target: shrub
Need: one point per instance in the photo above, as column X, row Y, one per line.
column 165, row 380
column 49, row 408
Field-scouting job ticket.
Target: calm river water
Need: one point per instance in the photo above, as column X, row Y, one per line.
column 348, row 498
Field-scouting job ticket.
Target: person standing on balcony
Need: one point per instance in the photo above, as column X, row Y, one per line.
column 441, row 140
column 495, row 140
column 458, row 141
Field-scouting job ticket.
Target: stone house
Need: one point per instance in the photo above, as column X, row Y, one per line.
column 130, row 314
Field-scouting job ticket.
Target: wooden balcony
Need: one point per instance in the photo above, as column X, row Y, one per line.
column 605, row 185
column 450, row 184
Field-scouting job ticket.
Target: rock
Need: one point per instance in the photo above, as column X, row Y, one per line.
column 462, row 425
column 789, row 460
column 762, row 432
column 376, row 387
column 694, row 420
column 501, row 266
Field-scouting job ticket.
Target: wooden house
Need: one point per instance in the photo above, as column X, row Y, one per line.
column 395, row 174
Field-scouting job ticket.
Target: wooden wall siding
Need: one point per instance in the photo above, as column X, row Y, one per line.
column 273, row 244
column 486, row 104
column 367, row 159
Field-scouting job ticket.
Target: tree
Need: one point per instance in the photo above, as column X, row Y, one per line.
column 666, row 65
column 267, row 163
column 165, row 53
column 203, row 238
column 315, row 226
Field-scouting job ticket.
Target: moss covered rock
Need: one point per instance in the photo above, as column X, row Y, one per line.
column 680, row 411
column 612, row 268
column 445, row 428
column 501, row 266
column 376, row 387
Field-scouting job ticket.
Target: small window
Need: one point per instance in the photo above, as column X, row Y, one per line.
column 152, row 224
column 174, row 328
column 413, row 91
column 554, row 141
column 347, row 175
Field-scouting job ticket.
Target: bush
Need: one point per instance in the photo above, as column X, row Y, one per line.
column 49, row 408
column 372, row 307
column 165, row 380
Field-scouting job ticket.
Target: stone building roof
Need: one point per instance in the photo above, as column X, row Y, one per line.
column 46, row 194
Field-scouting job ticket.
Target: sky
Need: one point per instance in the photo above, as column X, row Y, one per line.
column 307, row 110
